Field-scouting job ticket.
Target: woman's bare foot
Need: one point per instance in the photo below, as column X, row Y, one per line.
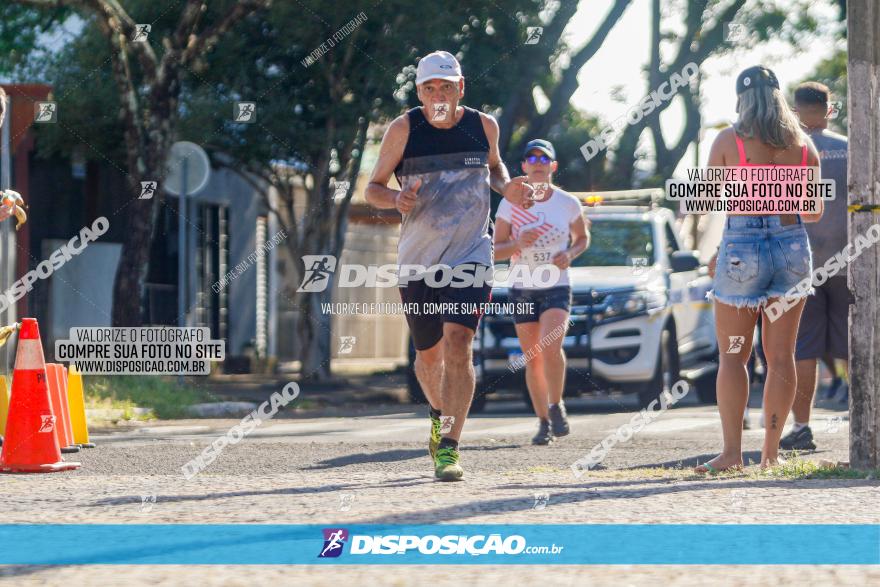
column 767, row 462
column 721, row 463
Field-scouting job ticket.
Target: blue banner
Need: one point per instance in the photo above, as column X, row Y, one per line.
column 564, row 544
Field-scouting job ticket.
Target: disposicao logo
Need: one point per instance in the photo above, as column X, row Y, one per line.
column 406, row 545
column 334, row 540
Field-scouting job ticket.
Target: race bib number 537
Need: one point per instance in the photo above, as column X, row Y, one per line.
column 537, row 257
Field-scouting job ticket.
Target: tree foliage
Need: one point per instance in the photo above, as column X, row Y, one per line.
column 21, row 28
column 147, row 78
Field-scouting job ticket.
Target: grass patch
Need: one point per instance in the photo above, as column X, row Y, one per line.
column 108, row 403
column 307, row 404
column 163, row 395
column 648, row 473
column 797, row 468
column 543, row 469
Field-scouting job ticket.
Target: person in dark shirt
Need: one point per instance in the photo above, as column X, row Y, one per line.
column 823, row 326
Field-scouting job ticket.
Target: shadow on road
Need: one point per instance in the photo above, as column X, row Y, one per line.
column 749, row 457
column 382, row 456
column 127, row 500
column 504, row 506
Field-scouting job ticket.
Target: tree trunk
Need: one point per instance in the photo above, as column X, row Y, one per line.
column 147, row 164
column 313, row 334
column 864, row 272
column 131, row 272
column 148, row 119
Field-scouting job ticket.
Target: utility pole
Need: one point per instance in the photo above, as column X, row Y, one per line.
column 7, row 235
column 863, row 95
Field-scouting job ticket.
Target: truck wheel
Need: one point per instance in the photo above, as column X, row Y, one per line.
column 527, row 399
column 666, row 373
column 479, row 402
column 413, row 387
column 705, row 384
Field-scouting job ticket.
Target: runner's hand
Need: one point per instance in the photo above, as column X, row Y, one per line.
column 8, row 202
column 562, row 260
column 407, row 197
column 520, row 192
column 527, row 238
column 712, row 262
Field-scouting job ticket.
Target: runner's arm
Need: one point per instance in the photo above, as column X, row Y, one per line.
column 505, row 245
column 580, row 237
column 378, row 194
column 813, row 161
column 498, row 174
column 517, row 190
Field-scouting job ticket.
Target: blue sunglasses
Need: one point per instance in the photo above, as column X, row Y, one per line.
column 535, row 158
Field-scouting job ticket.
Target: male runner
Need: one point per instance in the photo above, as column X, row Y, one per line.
column 823, row 326
column 445, row 157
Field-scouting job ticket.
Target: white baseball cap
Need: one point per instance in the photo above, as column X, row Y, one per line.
column 438, row 65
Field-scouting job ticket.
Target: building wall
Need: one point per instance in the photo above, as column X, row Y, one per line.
column 377, row 335
column 60, row 205
column 79, row 294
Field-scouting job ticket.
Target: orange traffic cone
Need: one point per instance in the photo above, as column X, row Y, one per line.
column 30, row 445
column 59, row 408
column 61, row 372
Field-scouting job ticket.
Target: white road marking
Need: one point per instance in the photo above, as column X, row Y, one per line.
column 664, row 426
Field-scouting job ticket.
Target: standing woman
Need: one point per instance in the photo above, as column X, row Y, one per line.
column 761, row 257
column 552, row 231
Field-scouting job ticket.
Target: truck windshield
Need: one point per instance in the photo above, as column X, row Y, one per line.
column 618, row 241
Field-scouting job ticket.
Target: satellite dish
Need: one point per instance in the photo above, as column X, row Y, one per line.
column 187, row 169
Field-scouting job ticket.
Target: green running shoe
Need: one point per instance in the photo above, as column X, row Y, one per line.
column 446, row 467
column 434, row 440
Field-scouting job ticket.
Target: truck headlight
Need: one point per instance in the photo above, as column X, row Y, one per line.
column 632, row 303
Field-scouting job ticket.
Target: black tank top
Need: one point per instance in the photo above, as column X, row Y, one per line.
column 424, row 139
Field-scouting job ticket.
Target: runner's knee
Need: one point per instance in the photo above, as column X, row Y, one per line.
column 457, row 343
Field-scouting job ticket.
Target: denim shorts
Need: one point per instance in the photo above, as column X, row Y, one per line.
column 758, row 259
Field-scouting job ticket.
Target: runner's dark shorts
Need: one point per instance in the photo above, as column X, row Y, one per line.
column 823, row 328
column 427, row 329
column 529, row 304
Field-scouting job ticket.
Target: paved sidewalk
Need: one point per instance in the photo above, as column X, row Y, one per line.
column 339, row 471
column 446, row 576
